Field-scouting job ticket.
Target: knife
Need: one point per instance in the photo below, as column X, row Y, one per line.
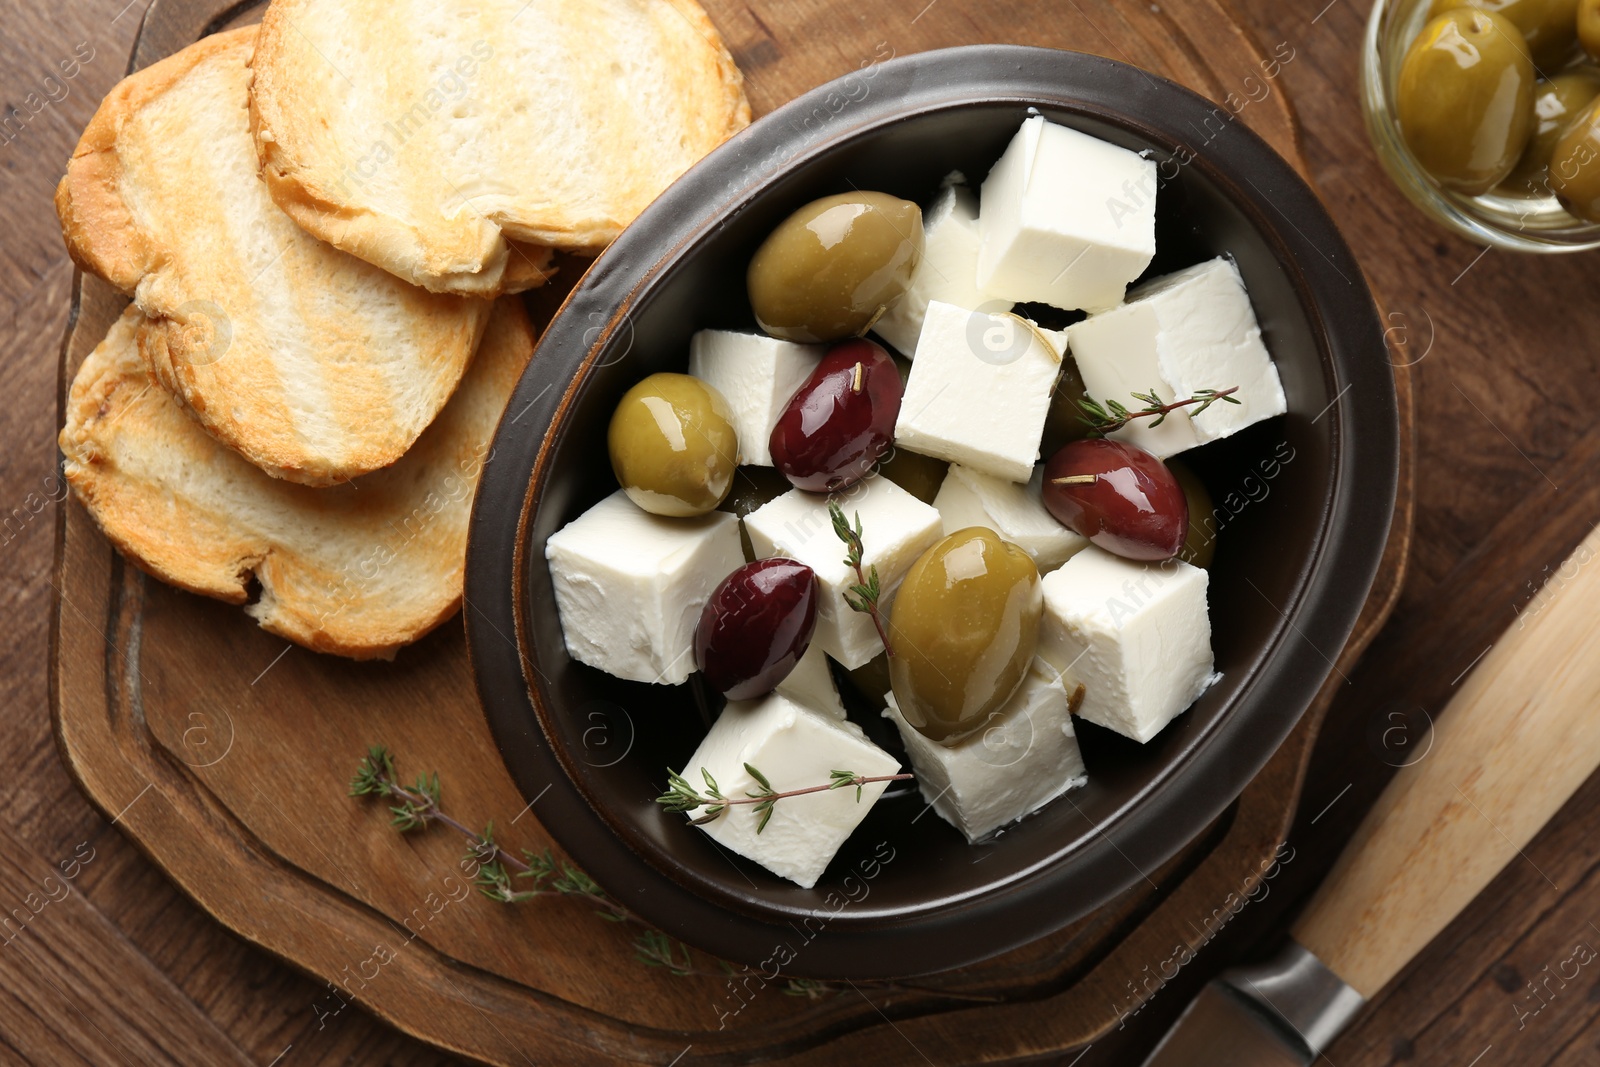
column 1517, row 739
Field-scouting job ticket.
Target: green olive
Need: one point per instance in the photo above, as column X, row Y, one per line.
column 963, row 628
column 1589, row 26
column 1548, row 26
column 1064, row 421
column 1556, row 103
column 673, row 445
column 1200, row 543
column 752, row 487
column 1465, row 99
column 1575, row 166
column 830, row 269
column 872, row 680
column 919, row 475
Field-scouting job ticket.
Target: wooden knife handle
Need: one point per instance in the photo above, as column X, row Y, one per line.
column 1518, row 738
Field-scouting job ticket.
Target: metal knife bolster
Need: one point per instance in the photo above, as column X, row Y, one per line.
column 1297, row 992
column 1282, row 1013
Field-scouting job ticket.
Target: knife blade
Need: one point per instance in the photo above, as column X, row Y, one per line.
column 1514, row 743
column 1278, row 1014
column 1234, row 1034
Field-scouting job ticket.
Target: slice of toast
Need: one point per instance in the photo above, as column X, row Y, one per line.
column 312, row 364
column 357, row 569
column 422, row 136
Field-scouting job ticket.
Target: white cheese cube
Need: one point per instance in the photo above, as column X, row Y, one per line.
column 1136, row 635
column 758, row 376
column 1067, row 219
column 811, row 683
column 948, row 271
column 1026, row 757
column 630, row 586
column 896, row 529
column 795, row 748
column 1178, row 334
column 979, row 390
column 1015, row 512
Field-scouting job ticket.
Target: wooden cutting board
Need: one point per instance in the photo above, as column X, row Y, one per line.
column 224, row 753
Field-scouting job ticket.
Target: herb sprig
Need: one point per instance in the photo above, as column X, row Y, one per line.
column 1113, row 415
column 418, row 806
column 681, row 795
column 867, row 592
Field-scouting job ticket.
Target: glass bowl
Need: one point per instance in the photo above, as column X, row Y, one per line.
column 1517, row 223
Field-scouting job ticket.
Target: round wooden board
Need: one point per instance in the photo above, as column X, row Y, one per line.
column 223, row 753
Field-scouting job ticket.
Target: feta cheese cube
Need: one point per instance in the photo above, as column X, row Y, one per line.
column 1067, row 219
column 795, row 747
column 948, row 271
column 758, row 376
column 630, row 586
column 1136, row 635
column 1015, row 512
column 897, row 528
column 1025, row 758
column 1177, row 334
column 979, row 390
column 811, row 683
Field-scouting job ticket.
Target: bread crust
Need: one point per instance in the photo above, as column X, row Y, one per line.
column 607, row 160
column 307, row 361
column 357, row 570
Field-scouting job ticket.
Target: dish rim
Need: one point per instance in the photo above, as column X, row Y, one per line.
column 863, row 942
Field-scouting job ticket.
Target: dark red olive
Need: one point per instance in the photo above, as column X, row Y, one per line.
column 756, row 626
column 841, row 422
column 1120, row 497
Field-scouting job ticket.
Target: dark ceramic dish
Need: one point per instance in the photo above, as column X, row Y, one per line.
column 1305, row 500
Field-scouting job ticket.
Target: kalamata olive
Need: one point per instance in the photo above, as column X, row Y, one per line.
column 830, row 269
column 1575, row 165
column 1465, row 99
column 964, row 627
column 756, row 626
column 1200, row 543
column 841, row 422
column 1119, row 496
column 673, row 446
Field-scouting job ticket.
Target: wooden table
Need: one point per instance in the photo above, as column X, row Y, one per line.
column 122, row 969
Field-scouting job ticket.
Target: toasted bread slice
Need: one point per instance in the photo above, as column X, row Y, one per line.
column 314, row 365
column 357, row 569
column 421, row 136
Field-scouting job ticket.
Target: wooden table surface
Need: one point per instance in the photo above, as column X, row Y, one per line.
column 114, row 966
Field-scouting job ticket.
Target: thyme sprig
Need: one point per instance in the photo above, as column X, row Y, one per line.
column 1113, row 415
column 419, row 806
column 656, row 949
column 681, row 795
column 864, row 596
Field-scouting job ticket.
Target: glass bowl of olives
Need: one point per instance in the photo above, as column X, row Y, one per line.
column 1303, row 500
column 1486, row 113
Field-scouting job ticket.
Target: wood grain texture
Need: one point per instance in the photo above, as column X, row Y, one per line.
column 1516, row 740
column 388, row 921
column 1513, row 333
column 1505, row 378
